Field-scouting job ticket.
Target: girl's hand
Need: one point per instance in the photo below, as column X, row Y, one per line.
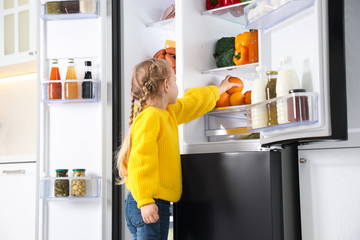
column 149, row 213
column 226, row 85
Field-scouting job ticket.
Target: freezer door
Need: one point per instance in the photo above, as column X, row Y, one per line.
column 314, row 39
column 234, row 195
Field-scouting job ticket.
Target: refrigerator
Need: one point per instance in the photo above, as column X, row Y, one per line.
column 84, row 133
column 234, row 186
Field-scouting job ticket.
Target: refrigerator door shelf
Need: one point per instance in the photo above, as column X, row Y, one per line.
column 264, row 15
column 91, row 85
column 168, row 24
column 57, row 10
column 47, row 187
column 245, row 70
column 300, row 109
column 233, row 13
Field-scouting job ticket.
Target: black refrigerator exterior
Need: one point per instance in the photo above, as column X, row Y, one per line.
column 239, row 195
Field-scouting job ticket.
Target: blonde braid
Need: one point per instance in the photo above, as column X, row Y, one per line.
column 132, row 110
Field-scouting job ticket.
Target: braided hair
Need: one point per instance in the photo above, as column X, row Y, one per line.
column 146, row 80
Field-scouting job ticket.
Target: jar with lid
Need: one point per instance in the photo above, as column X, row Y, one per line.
column 78, row 186
column 298, row 107
column 270, row 92
column 61, row 185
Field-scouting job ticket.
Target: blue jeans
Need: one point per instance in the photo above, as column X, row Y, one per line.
column 139, row 229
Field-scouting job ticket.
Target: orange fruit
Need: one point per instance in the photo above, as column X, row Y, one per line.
column 237, row 98
column 224, row 100
column 235, row 89
column 247, row 95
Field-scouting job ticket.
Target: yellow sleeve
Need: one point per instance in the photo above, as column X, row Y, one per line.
column 195, row 103
column 143, row 168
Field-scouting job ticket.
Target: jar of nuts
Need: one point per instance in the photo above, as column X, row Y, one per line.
column 78, row 186
column 61, row 185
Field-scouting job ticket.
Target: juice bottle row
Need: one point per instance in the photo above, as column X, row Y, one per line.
column 71, row 88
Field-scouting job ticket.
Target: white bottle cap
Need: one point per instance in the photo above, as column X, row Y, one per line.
column 260, row 68
column 286, row 60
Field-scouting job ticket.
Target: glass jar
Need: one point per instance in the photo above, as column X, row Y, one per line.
column 298, row 107
column 78, row 186
column 270, row 92
column 61, row 185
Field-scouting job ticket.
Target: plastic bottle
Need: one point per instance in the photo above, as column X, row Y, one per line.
column 71, row 88
column 54, row 89
column 87, row 86
column 258, row 113
column 287, row 80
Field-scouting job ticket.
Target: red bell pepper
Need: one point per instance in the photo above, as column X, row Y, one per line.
column 227, row 2
column 211, row 4
column 236, row 1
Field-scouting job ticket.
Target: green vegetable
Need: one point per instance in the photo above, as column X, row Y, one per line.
column 226, row 59
column 223, row 45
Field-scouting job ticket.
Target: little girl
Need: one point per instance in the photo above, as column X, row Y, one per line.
column 149, row 158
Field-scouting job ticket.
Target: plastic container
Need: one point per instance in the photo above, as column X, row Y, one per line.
column 270, row 91
column 258, row 113
column 78, row 186
column 61, row 186
column 286, row 80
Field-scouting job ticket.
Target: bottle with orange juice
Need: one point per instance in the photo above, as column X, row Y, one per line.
column 71, row 88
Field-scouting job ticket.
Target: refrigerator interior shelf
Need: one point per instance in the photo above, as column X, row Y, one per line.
column 298, row 109
column 241, row 70
column 270, row 15
column 69, row 9
column 232, row 13
column 168, row 24
column 47, row 187
column 226, row 121
column 83, row 90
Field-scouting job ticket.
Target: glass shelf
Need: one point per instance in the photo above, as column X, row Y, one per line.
column 69, row 9
column 246, row 70
column 273, row 15
column 233, row 13
column 47, row 187
column 301, row 109
column 298, row 109
column 168, row 24
column 89, row 88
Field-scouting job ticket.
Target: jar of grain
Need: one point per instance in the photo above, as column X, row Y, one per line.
column 78, row 186
column 61, row 185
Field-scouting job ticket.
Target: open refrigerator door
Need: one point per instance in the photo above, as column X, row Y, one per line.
column 74, row 167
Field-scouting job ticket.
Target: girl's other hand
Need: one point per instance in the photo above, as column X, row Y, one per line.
column 149, row 213
column 226, row 85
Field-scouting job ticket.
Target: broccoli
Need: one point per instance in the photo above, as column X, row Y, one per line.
column 224, row 44
column 226, row 58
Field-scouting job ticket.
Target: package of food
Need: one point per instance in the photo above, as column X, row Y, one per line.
column 78, row 186
column 61, row 188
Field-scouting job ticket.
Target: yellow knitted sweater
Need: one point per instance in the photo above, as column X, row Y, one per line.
column 154, row 169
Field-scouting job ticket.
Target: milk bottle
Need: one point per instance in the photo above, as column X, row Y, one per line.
column 258, row 113
column 287, row 80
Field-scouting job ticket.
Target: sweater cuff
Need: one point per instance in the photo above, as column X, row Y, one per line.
column 144, row 202
column 216, row 92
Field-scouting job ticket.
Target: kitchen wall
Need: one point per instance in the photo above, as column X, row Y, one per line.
column 18, row 102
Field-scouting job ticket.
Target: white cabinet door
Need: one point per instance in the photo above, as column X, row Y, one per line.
column 18, row 28
column 17, row 201
column 329, row 193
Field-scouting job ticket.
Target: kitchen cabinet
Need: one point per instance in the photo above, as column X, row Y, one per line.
column 18, row 26
column 329, row 183
column 17, row 218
